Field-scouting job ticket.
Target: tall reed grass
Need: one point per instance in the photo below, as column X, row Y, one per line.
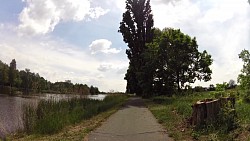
column 51, row 116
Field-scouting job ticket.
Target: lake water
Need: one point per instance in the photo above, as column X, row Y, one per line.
column 11, row 108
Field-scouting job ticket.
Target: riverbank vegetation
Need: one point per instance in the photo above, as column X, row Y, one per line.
column 51, row 116
column 13, row 81
column 52, row 119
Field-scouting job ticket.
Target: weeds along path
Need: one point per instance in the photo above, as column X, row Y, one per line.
column 133, row 122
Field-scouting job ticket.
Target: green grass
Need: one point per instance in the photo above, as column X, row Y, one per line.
column 50, row 117
column 174, row 113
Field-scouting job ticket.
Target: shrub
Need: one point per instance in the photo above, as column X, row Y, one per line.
column 219, row 94
column 221, row 87
column 199, row 89
column 247, row 96
column 227, row 120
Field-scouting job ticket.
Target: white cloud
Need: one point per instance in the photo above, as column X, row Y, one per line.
column 97, row 12
column 122, row 70
column 102, row 45
column 165, row 1
column 119, row 67
column 224, row 10
column 104, row 67
column 116, row 4
column 169, row 14
column 58, row 61
column 41, row 16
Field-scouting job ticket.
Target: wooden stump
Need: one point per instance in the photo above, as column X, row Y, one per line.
column 212, row 108
column 206, row 111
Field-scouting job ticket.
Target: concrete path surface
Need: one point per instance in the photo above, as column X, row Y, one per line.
column 133, row 122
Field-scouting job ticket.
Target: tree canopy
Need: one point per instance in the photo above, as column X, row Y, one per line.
column 173, row 60
column 136, row 29
column 244, row 77
column 161, row 61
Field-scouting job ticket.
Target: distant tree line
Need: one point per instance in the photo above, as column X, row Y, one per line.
column 12, row 81
column 162, row 62
column 218, row 87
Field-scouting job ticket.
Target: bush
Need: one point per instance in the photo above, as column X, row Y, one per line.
column 221, row 87
column 219, row 94
column 247, row 96
column 199, row 89
column 227, row 120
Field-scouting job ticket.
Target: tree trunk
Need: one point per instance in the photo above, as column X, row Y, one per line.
column 178, row 81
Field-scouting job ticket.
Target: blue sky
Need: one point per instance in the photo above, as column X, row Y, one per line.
column 78, row 39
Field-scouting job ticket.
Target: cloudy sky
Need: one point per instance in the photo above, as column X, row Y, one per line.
column 78, row 40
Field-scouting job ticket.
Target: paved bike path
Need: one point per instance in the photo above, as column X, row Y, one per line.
column 133, row 122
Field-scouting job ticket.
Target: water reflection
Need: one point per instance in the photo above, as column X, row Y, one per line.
column 11, row 108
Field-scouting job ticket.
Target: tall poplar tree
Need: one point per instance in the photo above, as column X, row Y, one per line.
column 12, row 72
column 136, row 28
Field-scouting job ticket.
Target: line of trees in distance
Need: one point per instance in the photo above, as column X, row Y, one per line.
column 13, row 81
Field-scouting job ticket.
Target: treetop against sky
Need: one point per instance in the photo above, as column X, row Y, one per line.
column 78, row 40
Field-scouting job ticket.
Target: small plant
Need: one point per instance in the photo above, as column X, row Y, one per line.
column 227, row 120
column 213, row 137
column 195, row 135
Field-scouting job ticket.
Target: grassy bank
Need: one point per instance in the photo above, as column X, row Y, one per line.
column 173, row 113
column 66, row 119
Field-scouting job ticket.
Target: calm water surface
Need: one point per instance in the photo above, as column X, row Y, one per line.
column 11, row 108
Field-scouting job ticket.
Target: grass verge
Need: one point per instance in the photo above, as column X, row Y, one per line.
column 173, row 113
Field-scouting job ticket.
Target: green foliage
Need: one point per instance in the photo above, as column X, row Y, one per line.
column 93, row 90
column 199, row 89
column 50, row 116
column 172, row 62
column 221, row 87
column 160, row 61
column 12, row 73
column 246, row 96
column 227, row 120
column 231, row 84
column 136, row 29
column 4, row 71
column 173, row 113
column 211, row 87
column 162, row 100
column 219, row 94
column 244, row 77
column 195, row 135
column 243, row 112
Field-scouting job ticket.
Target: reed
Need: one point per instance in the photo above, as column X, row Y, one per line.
column 51, row 116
